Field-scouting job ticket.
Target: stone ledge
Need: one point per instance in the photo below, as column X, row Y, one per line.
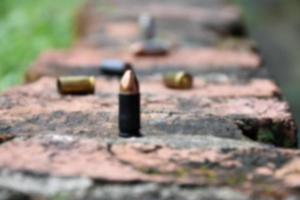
column 196, row 144
column 33, row 110
column 87, row 61
column 198, row 25
column 258, row 171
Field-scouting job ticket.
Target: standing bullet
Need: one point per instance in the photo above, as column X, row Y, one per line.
column 149, row 45
column 76, row 85
column 129, row 106
column 178, row 80
column 148, row 27
column 114, row 67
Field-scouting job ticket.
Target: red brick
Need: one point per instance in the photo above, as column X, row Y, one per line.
column 85, row 60
column 186, row 24
column 261, row 88
column 133, row 161
column 33, row 110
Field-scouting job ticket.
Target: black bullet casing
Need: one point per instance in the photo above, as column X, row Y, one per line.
column 114, row 67
column 129, row 115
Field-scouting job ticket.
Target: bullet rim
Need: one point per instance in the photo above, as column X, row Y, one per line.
column 184, row 79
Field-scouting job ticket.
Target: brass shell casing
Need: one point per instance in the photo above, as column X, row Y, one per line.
column 76, row 85
column 178, row 80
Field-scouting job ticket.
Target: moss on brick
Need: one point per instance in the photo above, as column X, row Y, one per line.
column 266, row 135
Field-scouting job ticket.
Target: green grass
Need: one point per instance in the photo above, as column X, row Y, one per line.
column 28, row 27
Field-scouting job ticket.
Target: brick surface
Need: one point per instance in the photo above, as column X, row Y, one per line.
column 206, row 84
column 32, row 109
column 99, row 23
column 218, row 140
column 87, row 61
column 259, row 172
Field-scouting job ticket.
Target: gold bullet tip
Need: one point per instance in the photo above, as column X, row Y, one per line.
column 129, row 83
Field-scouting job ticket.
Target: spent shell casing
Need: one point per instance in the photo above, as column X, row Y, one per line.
column 149, row 48
column 178, row 80
column 80, row 85
column 114, row 67
column 129, row 106
column 147, row 25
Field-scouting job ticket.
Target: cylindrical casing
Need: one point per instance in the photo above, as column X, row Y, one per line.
column 114, row 67
column 76, row 85
column 148, row 27
column 178, row 80
column 129, row 115
column 149, row 48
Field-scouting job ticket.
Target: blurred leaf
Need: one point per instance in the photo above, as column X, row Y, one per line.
column 29, row 27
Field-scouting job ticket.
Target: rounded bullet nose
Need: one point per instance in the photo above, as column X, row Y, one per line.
column 178, row 80
column 76, row 85
column 129, row 83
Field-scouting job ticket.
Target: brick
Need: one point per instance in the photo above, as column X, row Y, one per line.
column 33, row 110
column 215, row 141
column 260, row 172
column 100, row 25
column 87, row 61
column 255, row 88
column 205, row 85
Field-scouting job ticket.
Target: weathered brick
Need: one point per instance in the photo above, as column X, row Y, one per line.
column 33, row 110
column 262, row 88
column 99, row 25
column 260, row 172
column 196, row 144
column 87, row 61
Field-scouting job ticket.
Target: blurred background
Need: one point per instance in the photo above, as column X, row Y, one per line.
column 275, row 25
column 30, row 26
column 27, row 27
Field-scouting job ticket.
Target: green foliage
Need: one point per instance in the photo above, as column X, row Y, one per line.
column 29, row 27
column 266, row 135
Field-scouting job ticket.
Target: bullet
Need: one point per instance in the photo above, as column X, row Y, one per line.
column 148, row 26
column 149, row 48
column 76, row 85
column 114, row 67
column 178, row 80
column 129, row 106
